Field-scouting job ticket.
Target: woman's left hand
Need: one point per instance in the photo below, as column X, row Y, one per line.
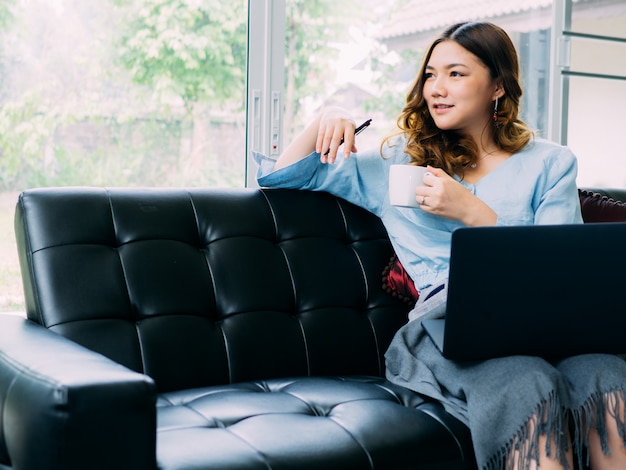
column 444, row 196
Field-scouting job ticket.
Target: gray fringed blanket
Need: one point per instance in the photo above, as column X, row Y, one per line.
column 502, row 400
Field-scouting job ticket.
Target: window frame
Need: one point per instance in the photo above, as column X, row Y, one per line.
column 265, row 83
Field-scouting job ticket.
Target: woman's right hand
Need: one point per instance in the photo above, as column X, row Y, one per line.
column 334, row 125
column 323, row 134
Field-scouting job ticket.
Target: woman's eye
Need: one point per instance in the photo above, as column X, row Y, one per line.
column 428, row 75
column 454, row 73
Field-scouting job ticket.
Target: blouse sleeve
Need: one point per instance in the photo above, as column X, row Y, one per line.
column 538, row 188
column 356, row 179
column 558, row 202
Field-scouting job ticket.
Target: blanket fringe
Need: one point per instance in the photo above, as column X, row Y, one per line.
column 599, row 406
column 549, row 419
column 553, row 420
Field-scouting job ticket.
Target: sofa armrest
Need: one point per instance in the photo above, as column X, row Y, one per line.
column 64, row 406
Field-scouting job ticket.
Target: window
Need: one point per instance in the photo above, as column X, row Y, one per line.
column 117, row 93
column 175, row 92
column 570, row 53
column 593, row 77
column 122, row 92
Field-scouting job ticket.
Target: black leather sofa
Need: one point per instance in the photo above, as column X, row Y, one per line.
column 208, row 329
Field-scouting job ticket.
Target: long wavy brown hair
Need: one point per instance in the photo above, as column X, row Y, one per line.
column 426, row 144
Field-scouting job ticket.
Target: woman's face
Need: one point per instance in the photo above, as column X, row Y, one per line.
column 458, row 89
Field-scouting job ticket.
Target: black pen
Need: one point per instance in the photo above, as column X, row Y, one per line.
column 357, row 131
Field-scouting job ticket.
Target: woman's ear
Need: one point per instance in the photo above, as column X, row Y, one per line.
column 499, row 92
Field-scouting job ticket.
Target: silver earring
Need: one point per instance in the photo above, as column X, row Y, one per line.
column 495, row 111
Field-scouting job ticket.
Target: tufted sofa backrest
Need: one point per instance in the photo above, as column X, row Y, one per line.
column 210, row 286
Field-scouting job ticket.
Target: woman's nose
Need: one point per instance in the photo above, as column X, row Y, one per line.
column 438, row 87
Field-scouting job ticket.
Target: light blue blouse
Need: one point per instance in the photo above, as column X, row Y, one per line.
column 535, row 186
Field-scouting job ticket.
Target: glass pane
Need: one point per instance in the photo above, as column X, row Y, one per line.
column 597, row 56
column 123, row 92
column 601, row 17
column 369, row 66
column 117, row 93
column 596, row 130
column 595, row 119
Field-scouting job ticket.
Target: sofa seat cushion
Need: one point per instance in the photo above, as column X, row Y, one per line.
column 308, row 422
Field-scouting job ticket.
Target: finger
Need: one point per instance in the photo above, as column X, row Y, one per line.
column 324, row 140
column 431, row 175
column 343, row 133
column 335, row 143
column 319, row 142
column 432, row 170
column 421, row 198
column 437, row 172
column 349, row 144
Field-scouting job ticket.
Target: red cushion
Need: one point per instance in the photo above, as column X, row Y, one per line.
column 598, row 208
column 397, row 282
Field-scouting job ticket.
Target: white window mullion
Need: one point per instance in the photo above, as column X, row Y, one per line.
column 559, row 61
column 266, row 63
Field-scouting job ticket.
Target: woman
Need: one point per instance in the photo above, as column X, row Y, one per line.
column 485, row 167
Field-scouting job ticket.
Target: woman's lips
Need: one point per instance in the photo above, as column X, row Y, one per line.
column 440, row 108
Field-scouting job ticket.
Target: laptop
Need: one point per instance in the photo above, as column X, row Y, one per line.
column 542, row 290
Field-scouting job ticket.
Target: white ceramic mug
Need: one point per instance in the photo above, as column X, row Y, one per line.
column 403, row 179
